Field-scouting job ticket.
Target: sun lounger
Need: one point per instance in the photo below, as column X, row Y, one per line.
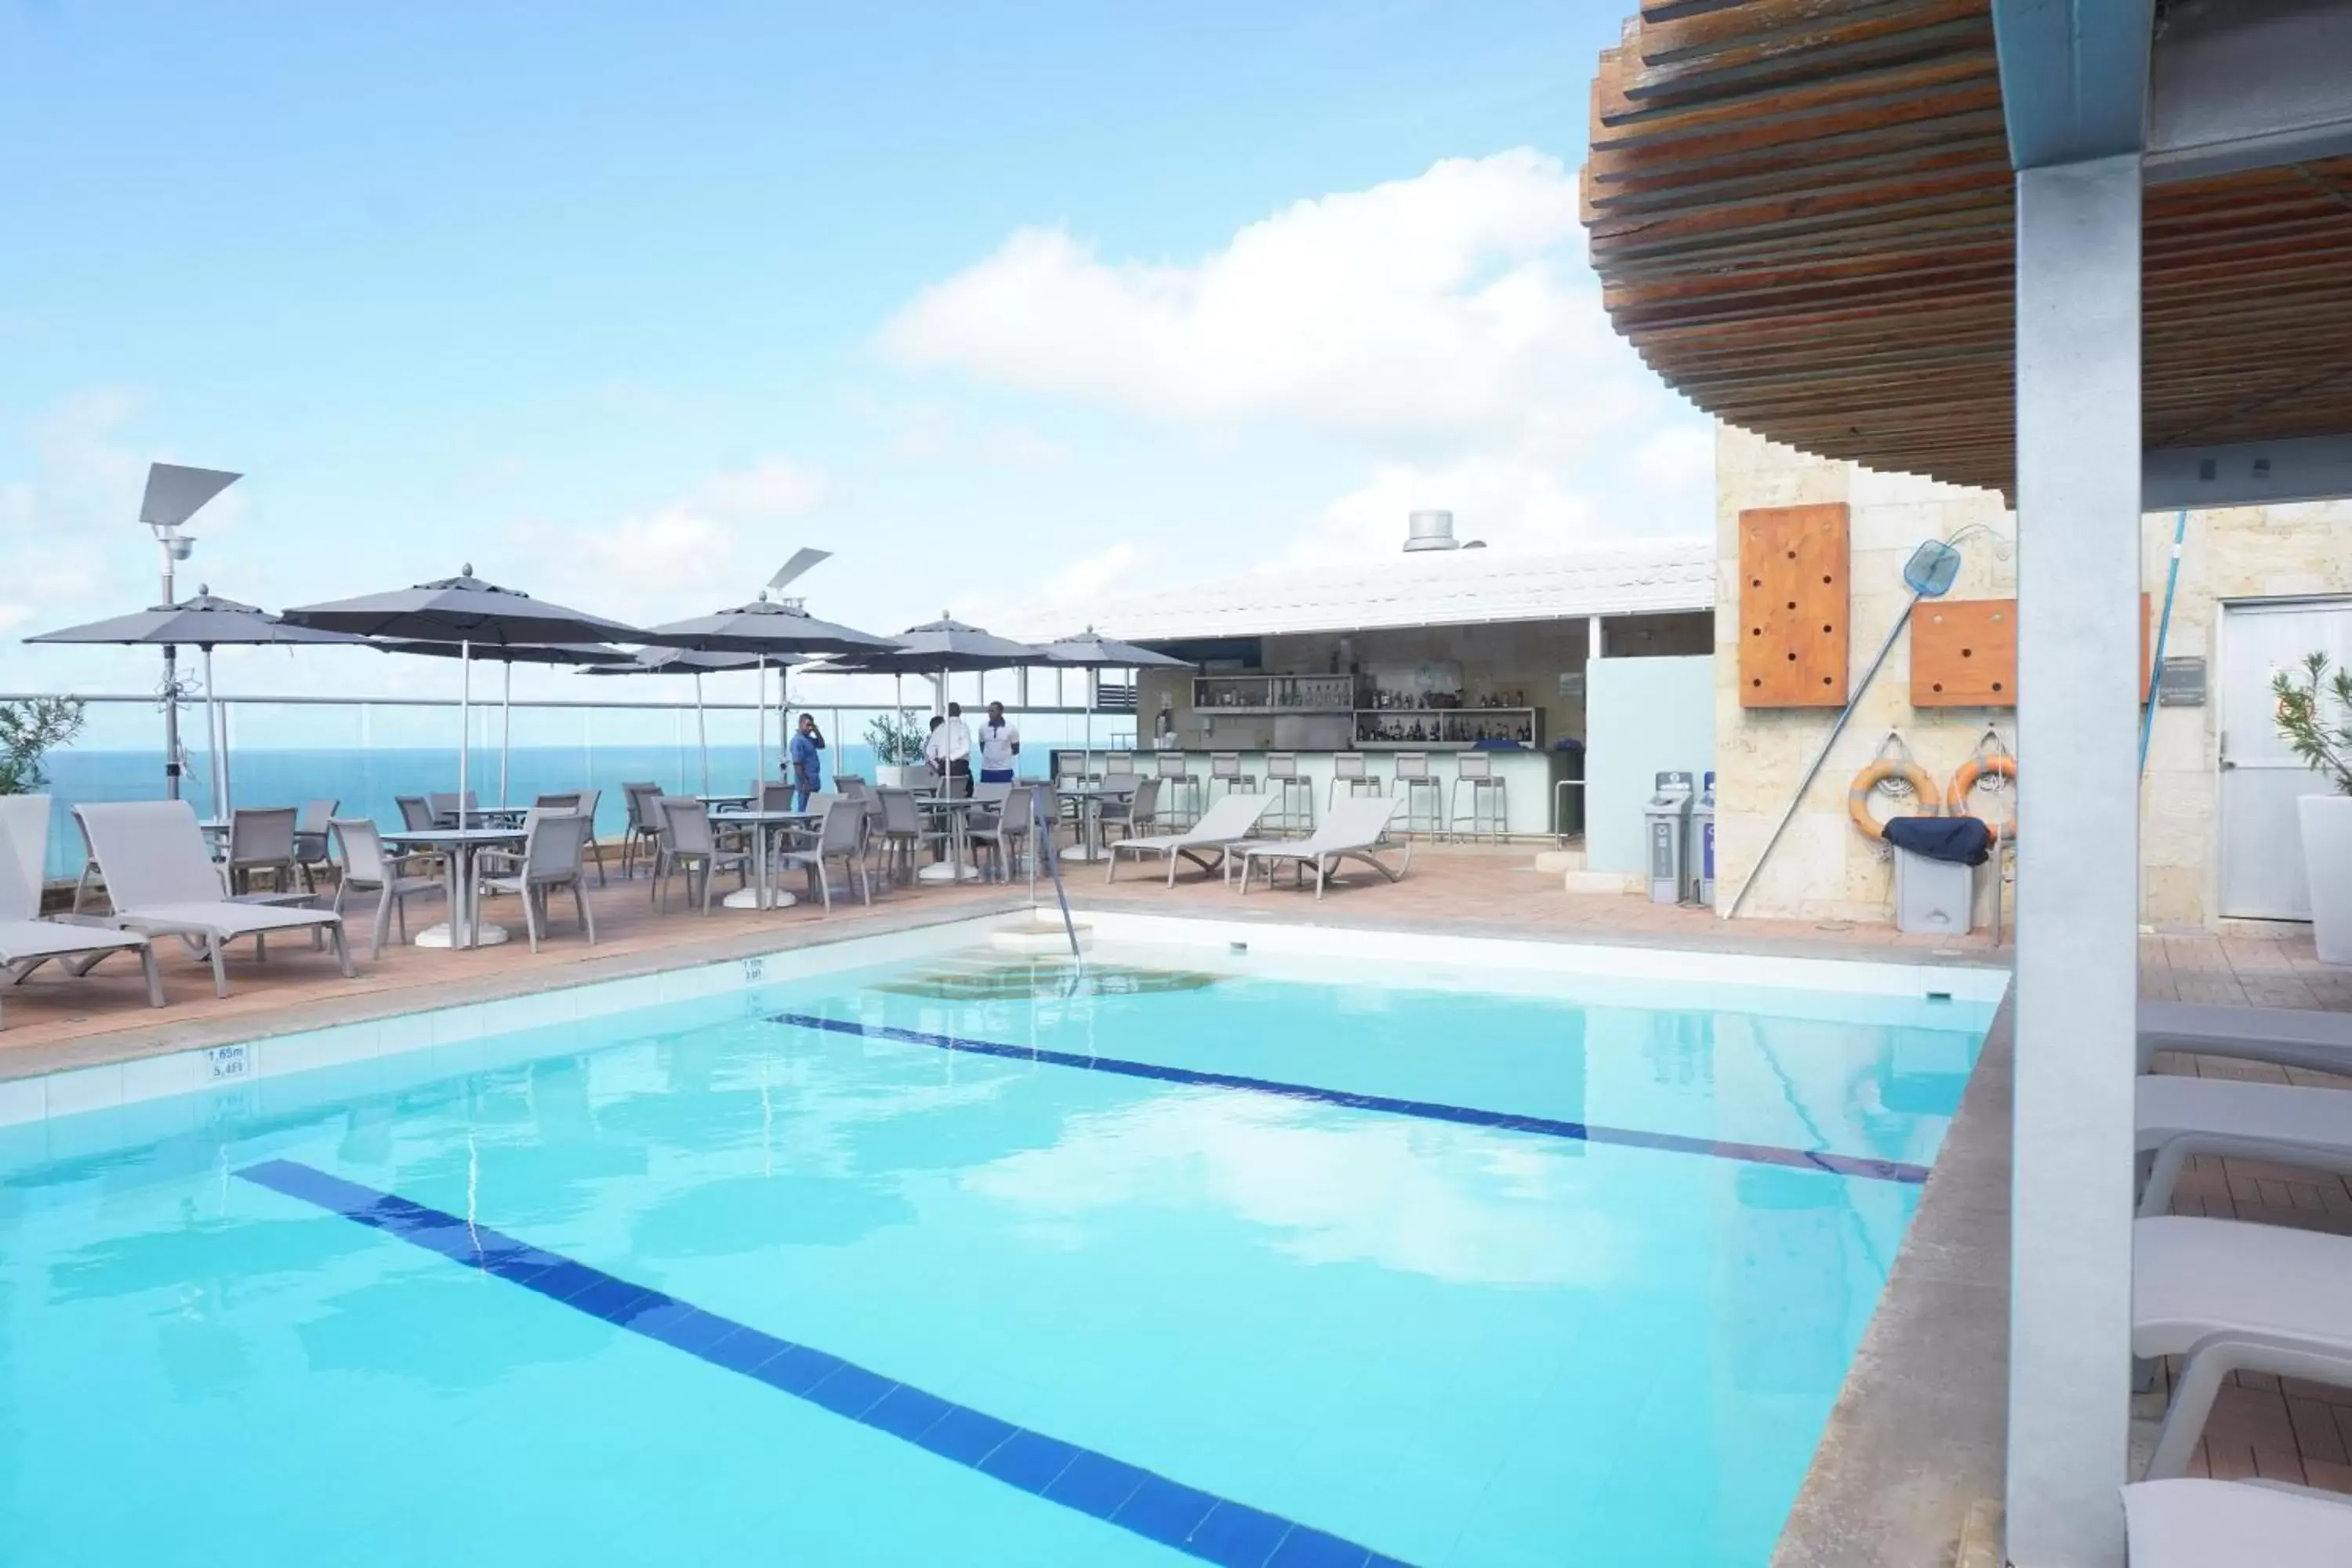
column 2180, row 1118
column 1351, row 830
column 26, row 941
column 1226, row 823
column 2234, row 1296
column 2195, row 1524
column 2289, row 1036
column 161, row 880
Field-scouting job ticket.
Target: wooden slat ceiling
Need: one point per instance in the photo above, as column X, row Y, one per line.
column 1801, row 212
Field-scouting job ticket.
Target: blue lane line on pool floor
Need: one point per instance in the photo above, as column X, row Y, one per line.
column 1197, row 1523
column 1468, row 1116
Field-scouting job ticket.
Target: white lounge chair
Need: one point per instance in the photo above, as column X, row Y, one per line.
column 2196, row 1524
column 2234, row 1296
column 2181, row 1117
column 151, row 854
column 1351, row 829
column 2289, row 1036
column 1227, row 822
column 26, row 941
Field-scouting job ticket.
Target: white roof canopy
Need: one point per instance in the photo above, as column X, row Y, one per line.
column 1434, row 589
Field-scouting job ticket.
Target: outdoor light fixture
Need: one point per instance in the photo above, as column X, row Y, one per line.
column 175, row 494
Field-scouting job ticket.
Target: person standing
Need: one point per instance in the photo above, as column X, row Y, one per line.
column 807, row 757
column 949, row 751
column 1000, row 743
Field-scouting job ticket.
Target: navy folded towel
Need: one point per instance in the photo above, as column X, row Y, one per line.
column 1962, row 840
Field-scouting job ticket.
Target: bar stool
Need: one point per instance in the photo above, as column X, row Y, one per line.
column 1419, row 786
column 1489, row 806
column 1118, row 763
column 1282, row 778
column 1225, row 768
column 1347, row 768
column 1181, row 787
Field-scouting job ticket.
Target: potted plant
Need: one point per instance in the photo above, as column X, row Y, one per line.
column 30, row 731
column 896, row 739
column 2314, row 716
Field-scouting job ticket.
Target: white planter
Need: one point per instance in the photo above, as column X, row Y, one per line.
column 2327, row 867
column 893, row 776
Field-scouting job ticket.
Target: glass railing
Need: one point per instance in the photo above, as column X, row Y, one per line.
column 363, row 755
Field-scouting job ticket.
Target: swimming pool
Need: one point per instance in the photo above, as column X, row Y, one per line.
column 1238, row 1256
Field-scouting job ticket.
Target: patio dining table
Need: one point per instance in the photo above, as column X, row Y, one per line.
column 458, row 848
column 1090, row 798
column 761, row 895
column 957, row 808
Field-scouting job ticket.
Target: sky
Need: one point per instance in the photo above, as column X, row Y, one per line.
column 1015, row 308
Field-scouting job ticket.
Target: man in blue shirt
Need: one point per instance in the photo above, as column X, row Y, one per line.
column 808, row 758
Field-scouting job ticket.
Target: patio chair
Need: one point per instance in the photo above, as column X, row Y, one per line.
column 1007, row 831
column 1354, row 829
column 850, row 786
column 687, row 842
column 310, row 839
column 1228, row 821
column 644, row 829
column 898, row 831
column 840, row 836
column 1136, row 813
column 775, row 796
column 590, row 799
column 90, row 876
column 568, row 800
column 2235, row 1297
column 261, row 839
column 2286, row 1037
column 367, row 869
column 2179, row 1117
column 26, row 941
column 446, row 807
column 415, row 813
column 2193, row 1523
column 161, row 880
column 554, row 855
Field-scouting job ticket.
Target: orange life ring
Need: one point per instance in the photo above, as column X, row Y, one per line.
column 1857, row 795
column 1956, row 799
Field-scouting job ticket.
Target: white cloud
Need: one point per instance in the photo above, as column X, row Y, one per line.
column 714, row 545
column 1064, row 601
column 1452, row 302
column 64, row 529
column 1445, row 326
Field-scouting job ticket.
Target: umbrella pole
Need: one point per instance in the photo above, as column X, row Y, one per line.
column 171, row 716
column 506, row 724
column 213, row 731
column 701, row 731
column 465, row 721
column 759, row 673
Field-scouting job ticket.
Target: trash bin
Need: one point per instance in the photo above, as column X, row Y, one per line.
column 1703, row 835
column 1666, row 820
column 1933, row 897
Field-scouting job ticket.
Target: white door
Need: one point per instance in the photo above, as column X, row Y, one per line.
column 2262, row 848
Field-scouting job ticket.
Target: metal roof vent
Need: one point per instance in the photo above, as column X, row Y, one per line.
column 1430, row 530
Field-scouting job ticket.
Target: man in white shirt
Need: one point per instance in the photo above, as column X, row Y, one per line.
column 1000, row 743
column 949, row 751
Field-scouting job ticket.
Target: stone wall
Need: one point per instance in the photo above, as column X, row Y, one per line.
column 1824, row 868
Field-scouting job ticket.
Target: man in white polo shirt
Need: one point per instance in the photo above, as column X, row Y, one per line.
column 1000, row 743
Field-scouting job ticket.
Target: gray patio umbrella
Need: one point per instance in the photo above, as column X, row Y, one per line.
column 765, row 629
column 696, row 663
column 940, row 648
column 204, row 622
column 507, row 656
column 470, row 613
column 1093, row 652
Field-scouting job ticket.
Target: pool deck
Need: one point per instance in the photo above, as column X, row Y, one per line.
column 1914, row 1446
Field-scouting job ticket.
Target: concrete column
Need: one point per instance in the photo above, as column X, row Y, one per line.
column 1592, row 640
column 2078, row 495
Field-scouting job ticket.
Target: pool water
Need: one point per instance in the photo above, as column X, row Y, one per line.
column 977, row 1260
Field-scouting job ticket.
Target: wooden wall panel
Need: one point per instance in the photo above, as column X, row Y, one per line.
column 1792, row 606
column 1964, row 652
